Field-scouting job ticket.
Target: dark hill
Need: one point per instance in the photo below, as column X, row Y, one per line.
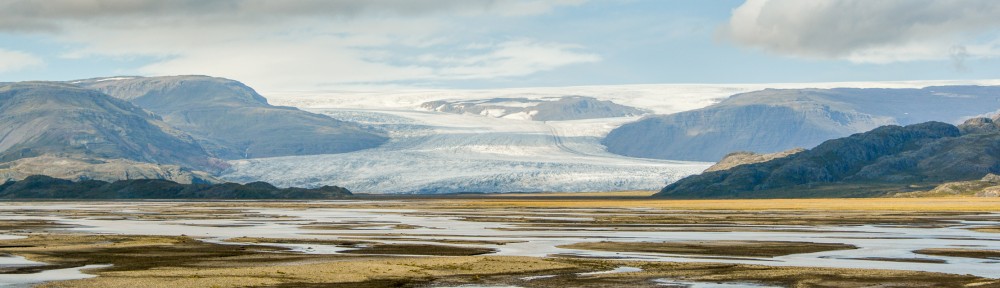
column 44, row 187
column 885, row 160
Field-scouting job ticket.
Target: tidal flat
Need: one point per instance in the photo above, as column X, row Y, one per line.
column 495, row 241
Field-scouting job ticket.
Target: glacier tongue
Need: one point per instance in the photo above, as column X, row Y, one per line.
column 435, row 152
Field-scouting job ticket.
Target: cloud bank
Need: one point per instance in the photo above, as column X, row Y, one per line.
column 17, row 60
column 49, row 15
column 298, row 44
column 866, row 31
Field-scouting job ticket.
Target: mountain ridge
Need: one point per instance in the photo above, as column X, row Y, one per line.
column 880, row 162
column 83, row 168
column 234, row 121
column 774, row 120
column 48, row 118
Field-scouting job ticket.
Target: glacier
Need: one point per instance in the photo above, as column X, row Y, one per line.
column 440, row 152
column 433, row 153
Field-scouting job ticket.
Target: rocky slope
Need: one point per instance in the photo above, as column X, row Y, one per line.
column 44, row 187
column 44, row 118
column 886, row 160
column 743, row 158
column 988, row 186
column 81, row 168
column 234, row 122
column 775, row 120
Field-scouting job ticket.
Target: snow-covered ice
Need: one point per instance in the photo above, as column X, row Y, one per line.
column 440, row 152
column 437, row 152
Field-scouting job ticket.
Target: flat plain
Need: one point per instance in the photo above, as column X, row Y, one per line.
column 547, row 240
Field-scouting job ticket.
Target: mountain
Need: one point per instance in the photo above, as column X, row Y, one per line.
column 883, row 161
column 234, row 122
column 988, row 186
column 743, row 158
column 82, row 168
column 45, row 187
column 773, row 120
column 545, row 109
column 45, row 118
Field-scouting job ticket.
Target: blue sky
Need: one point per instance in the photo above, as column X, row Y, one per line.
column 333, row 44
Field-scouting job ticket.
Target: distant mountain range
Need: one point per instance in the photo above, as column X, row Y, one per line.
column 160, row 127
column 550, row 109
column 206, row 130
column 883, row 161
column 775, row 120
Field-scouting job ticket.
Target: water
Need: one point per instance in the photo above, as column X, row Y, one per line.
column 897, row 241
column 26, row 280
column 16, row 261
column 622, row 269
column 690, row 284
column 477, row 286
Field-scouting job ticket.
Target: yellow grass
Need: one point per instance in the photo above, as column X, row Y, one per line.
column 577, row 194
column 966, row 204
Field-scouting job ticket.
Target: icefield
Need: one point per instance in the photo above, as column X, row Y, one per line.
column 439, row 152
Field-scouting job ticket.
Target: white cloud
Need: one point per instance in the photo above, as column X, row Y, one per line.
column 865, row 31
column 17, row 60
column 299, row 44
column 513, row 58
column 533, row 7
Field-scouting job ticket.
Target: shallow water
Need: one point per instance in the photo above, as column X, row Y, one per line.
column 622, row 269
column 16, row 261
column 689, row 284
column 8, row 261
column 896, row 241
column 477, row 286
column 26, row 280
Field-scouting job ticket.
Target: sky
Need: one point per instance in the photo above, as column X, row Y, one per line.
column 336, row 44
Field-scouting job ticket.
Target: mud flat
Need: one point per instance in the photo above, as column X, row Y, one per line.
column 28, row 224
column 716, row 248
column 376, row 248
column 994, row 229
column 157, row 261
column 961, row 252
column 502, row 242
